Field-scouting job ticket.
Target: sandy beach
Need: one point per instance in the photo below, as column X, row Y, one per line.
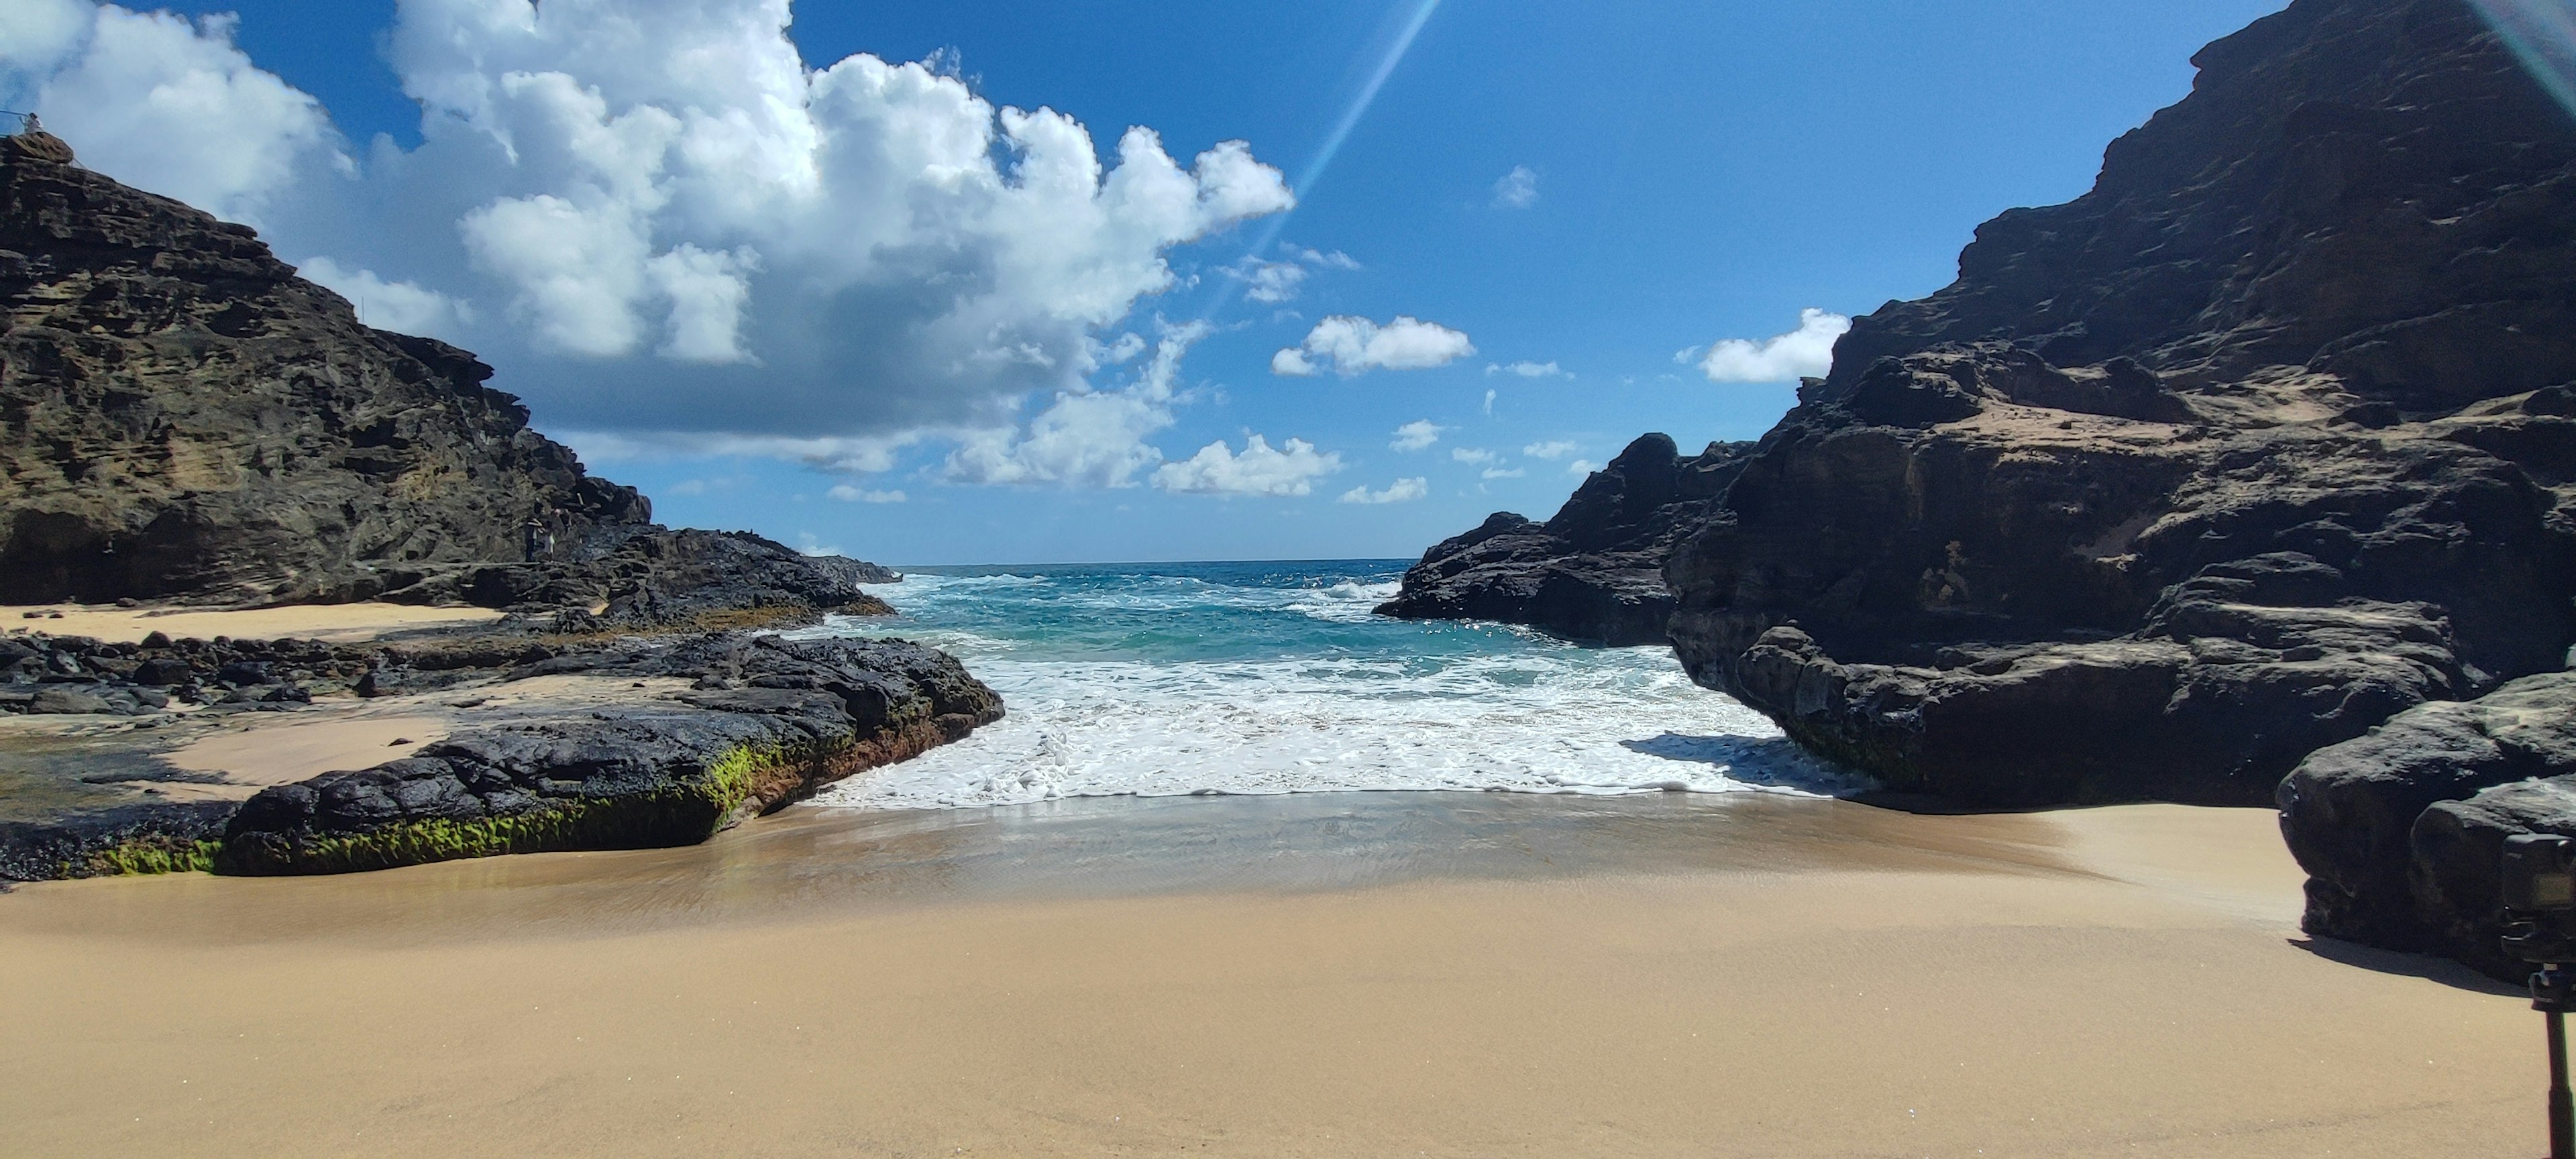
column 335, row 623
column 1355, row 975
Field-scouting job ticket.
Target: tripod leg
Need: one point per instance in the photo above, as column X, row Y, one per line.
column 2562, row 1108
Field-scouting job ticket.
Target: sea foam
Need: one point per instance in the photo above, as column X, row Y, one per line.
column 1161, row 682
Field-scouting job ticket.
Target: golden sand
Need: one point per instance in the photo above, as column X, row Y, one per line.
column 338, row 623
column 1845, row 981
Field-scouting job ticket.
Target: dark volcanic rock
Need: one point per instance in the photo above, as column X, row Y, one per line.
column 1594, row 572
column 2401, row 830
column 183, row 417
column 2256, row 444
column 772, row 720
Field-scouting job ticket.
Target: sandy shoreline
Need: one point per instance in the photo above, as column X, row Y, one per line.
column 1788, row 978
column 335, row 623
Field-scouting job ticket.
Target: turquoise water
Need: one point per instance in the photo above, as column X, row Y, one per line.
column 1171, row 679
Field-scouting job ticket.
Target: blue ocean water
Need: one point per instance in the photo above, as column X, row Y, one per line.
column 1170, row 679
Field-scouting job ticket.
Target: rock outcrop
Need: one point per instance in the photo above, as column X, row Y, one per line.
column 666, row 739
column 770, row 722
column 1593, row 572
column 183, row 418
column 2402, row 830
column 2262, row 441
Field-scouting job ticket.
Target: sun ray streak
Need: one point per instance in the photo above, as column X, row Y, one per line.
column 1350, row 119
column 2542, row 33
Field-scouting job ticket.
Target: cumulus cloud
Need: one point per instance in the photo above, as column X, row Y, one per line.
column 1259, row 470
column 1416, row 435
column 1529, row 370
column 1400, row 491
column 1347, row 346
column 849, row 494
column 1471, row 455
column 1551, row 449
column 1489, row 404
column 1805, row 351
column 1504, row 472
column 1087, row 438
column 663, row 224
column 1581, row 467
column 166, row 104
column 401, row 307
column 1517, row 189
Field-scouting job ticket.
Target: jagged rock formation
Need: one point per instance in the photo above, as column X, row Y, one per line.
column 1592, row 573
column 2263, row 440
column 182, row 417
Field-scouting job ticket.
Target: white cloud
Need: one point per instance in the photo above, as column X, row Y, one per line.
column 849, row 494
column 809, row 545
column 1530, row 370
column 1416, row 435
column 1489, row 404
column 1581, row 467
column 1275, row 282
column 1552, row 449
column 1347, row 346
column 1335, row 260
column 1259, row 470
column 689, row 487
column 166, row 105
column 1504, row 472
column 402, row 307
column 858, row 456
column 1087, row 438
column 1805, row 351
column 1517, row 189
column 1401, row 491
column 1468, row 455
column 1269, row 281
column 660, row 221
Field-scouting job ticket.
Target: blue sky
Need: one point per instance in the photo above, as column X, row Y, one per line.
column 1687, row 173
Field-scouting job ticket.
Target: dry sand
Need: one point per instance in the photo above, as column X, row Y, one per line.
column 1779, row 979
column 337, row 623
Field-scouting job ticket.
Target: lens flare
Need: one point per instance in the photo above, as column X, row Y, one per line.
column 2543, row 34
column 1350, row 119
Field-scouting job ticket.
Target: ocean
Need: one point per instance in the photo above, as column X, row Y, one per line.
column 1161, row 680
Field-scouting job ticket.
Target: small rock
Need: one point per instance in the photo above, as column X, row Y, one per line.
column 59, row 700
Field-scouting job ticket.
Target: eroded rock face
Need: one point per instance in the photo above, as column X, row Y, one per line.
column 769, row 722
column 2260, row 442
column 182, row 417
column 1592, row 573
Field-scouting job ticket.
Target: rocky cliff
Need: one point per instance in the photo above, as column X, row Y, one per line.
column 182, row 417
column 2258, row 443
column 1593, row 572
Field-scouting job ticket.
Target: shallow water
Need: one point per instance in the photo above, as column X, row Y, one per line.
column 1264, row 678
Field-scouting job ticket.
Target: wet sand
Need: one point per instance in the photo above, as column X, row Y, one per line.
column 1347, row 975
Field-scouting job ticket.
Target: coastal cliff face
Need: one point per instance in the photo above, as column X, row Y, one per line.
column 1594, row 572
column 182, row 417
column 2265, row 439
